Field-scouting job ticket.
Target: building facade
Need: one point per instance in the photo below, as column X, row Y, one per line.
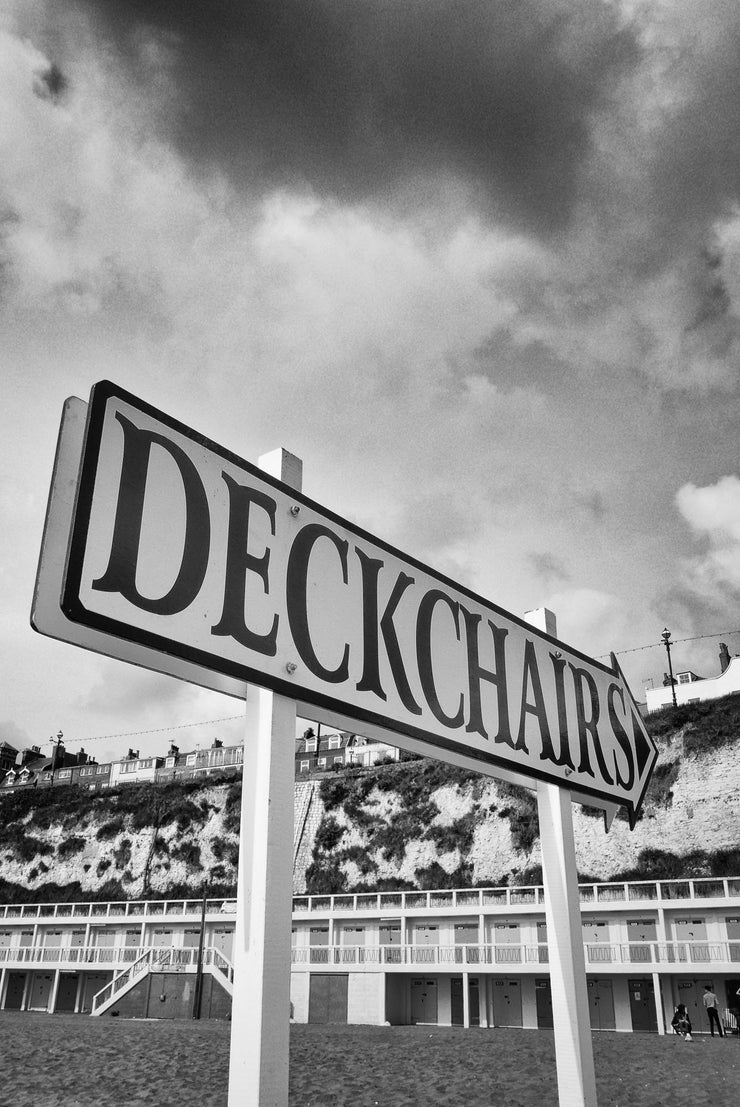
column 690, row 688
column 65, row 769
column 468, row 957
column 317, row 753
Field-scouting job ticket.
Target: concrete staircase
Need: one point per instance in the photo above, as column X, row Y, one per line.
column 308, row 814
column 158, row 959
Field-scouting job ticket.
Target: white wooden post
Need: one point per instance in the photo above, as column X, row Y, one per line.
column 572, row 1025
column 260, row 1013
column 658, row 1000
column 52, row 1005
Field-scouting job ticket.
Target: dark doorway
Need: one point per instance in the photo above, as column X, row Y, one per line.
column 456, row 1001
column 14, row 992
column 67, row 991
column 543, row 997
column 327, row 997
column 642, row 1006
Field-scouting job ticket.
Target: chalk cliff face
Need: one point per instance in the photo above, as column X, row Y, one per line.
column 424, row 824
column 139, row 841
column 415, row 824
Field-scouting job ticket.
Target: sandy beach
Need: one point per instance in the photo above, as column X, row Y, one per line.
column 72, row 1061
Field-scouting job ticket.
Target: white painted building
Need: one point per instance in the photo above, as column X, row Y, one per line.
column 691, row 688
column 480, row 956
column 470, row 957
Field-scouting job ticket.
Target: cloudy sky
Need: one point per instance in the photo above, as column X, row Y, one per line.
column 476, row 263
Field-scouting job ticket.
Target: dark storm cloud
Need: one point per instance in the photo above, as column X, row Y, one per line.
column 549, row 568
column 50, row 84
column 357, row 99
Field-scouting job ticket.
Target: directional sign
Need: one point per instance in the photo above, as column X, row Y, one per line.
column 182, row 547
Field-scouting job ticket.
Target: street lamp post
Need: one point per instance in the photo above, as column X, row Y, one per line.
column 666, row 636
column 56, row 746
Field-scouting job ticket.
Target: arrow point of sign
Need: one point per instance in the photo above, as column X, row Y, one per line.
column 646, row 751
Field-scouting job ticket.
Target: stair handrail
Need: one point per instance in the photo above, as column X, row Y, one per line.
column 213, row 956
column 121, row 979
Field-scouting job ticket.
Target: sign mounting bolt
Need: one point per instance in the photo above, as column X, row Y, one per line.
column 291, row 667
column 294, row 510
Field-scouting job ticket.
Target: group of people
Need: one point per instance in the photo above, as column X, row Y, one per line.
column 681, row 1022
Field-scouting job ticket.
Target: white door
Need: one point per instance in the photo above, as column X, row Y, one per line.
column 691, row 934
column 353, row 942
column 40, row 991
column 223, row 939
column 508, row 944
column 641, row 931
column 426, row 940
column 596, row 939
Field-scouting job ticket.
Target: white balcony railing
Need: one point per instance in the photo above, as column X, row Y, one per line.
column 133, row 909
column 596, row 954
column 599, row 895
column 111, row 957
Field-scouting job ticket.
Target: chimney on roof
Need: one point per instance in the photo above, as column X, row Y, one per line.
column 217, row 744
column 131, row 755
column 724, row 656
column 173, row 750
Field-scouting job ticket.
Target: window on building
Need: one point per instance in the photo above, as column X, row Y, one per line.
column 321, row 762
column 304, row 766
column 338, row 760
column 102, row 768
column 64, row 773
column 190, row 759
column 335, row 741
column 311, row 745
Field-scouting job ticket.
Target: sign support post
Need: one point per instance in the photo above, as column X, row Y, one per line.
column 574, row 1054
column 260, row 1015
column 572, row 1025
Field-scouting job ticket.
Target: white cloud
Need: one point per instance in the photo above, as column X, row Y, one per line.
column 589, row 620
column 713, row 513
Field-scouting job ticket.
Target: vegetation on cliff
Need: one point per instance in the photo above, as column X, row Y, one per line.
column 140, row 841
column 425, row 824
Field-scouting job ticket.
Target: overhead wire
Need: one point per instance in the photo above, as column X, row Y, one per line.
column 155, row 730
column 231, row 718
column 674, row 642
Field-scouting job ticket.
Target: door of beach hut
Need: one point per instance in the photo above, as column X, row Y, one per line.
column 642, row 1006
column 543, row 1000
column 507, row 1002
column 601, row 1003
column 423, row 1000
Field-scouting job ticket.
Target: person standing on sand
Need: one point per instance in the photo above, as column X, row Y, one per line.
column 712, row 1003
